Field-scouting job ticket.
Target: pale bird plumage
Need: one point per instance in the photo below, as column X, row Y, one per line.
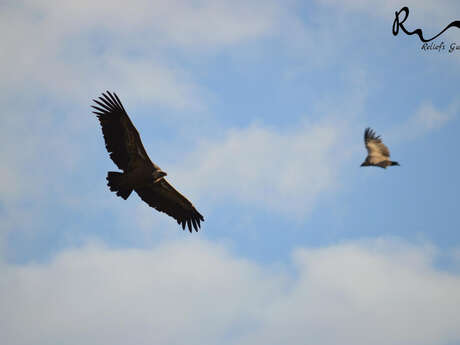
column 378, row 153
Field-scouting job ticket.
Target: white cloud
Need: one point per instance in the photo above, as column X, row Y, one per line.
column 426, row 118
column 73, row 48
column 145, row 296
column 378, row 291
column 39, row 146
column 429, row 118
column 365, row 293
column 284, row 170
column 203, row 22
column 427, row 9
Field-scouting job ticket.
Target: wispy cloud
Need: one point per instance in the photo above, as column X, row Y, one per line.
column 282, row 170
column 72, row 49
column 435, row 10
column 425, row 119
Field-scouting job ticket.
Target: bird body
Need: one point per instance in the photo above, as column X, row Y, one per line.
column 377, row 152
column 140, row 174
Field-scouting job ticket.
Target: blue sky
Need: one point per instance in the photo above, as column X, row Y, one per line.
column 256, row 110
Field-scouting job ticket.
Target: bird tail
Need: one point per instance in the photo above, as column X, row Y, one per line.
column 117, row 183
column 394, row 163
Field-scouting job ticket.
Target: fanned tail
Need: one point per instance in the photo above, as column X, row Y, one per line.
column 117, row 184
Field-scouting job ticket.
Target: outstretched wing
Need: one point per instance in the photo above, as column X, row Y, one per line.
column 374, row 145
column 163, row 197
column 121, row 137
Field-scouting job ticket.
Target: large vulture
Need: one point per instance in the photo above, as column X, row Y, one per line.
column 139, row 173
column 377, row 153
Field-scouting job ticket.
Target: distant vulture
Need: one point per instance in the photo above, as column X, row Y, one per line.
column 377, row 153
column 139, row 173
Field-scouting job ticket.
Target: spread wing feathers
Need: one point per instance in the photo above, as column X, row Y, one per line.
column 374, row 145
column 121, row 137
column 163, row 197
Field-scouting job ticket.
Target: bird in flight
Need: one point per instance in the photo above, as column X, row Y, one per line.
column 377, row 153
column 139, row 173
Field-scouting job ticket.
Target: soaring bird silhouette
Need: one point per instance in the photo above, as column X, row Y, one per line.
column 377, row 153
column 139, row 173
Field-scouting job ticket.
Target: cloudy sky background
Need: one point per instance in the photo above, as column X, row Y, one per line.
column 256, row 110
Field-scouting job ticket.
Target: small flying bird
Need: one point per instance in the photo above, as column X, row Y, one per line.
column 139, row 173
column 377, row 153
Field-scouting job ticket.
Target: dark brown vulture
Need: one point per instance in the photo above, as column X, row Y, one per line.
column 139, row 173
column 377, row 153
